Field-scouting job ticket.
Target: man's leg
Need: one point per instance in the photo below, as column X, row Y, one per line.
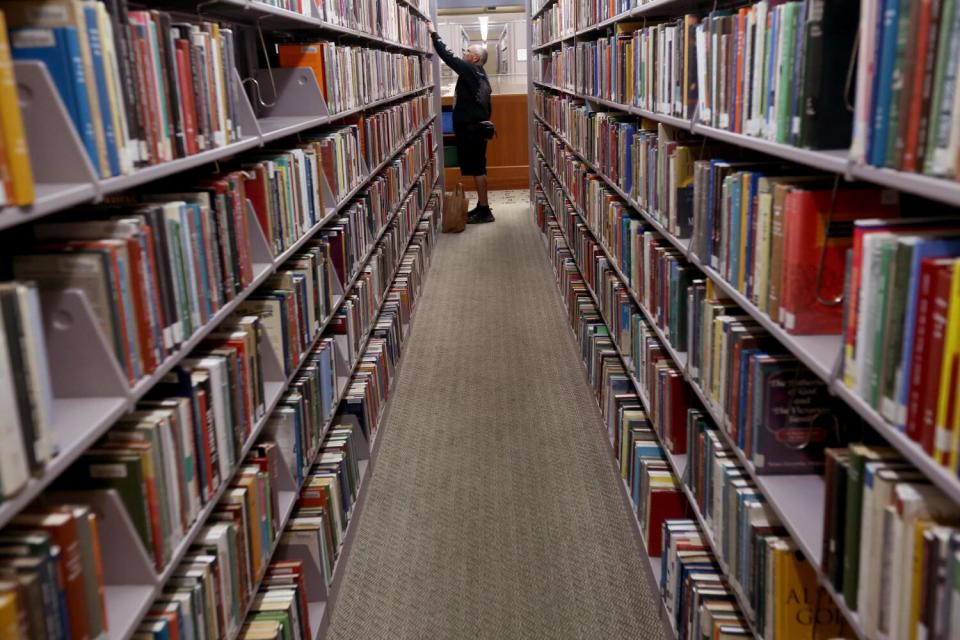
column 480, row 182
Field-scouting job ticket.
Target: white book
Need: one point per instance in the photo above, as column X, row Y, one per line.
column 13, row 461
column 861, row 364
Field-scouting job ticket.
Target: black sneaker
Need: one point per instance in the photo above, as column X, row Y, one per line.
column 480, row 215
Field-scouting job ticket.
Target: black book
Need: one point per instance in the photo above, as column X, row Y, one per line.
column 168, row 51
column 153, row 216
column 831, row 30
column 126, row 63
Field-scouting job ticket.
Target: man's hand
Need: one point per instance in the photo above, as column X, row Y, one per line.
column 430, row 27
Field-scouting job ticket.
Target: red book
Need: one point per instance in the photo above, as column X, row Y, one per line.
column 817, row 234
column 256, row 186
column 925, row 361
column 238, row 197
column 185, row 80
column 662, row 504
column 678, row 395
column 921, row 85
column 930, row 382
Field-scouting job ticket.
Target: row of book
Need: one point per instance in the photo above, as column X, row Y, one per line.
column 739, row 217
column 750, row 539
column 758, row 70
column 140, row 87
column 388, row 19
column 591, row 12
column 283, row 186
column 358, row 312
column 169, row 458
column 737, row 366
column 350, row 77
column 383, row 130
column 655, row 492
column 554, row 22
column 194, row 248
column 278, row 602
column 146, row 87
column 369, row 391
column 756, row 553
column 51, row 573
column 107, row 256
column 906, row 94
column 735, row 70
column 878, row 506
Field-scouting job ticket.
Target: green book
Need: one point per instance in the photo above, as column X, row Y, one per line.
column 892, row 340
column 943, row 46
column 860, row 455
column 878, row 311
column 901, row 64
column 787, row 39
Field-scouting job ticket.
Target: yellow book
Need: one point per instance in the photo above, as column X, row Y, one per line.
column 948, row 435
column 801, row 608
column 19, row 185
column 916, row 577
column 10, row 616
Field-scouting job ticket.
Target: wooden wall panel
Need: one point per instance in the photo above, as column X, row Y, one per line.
column 507, row 154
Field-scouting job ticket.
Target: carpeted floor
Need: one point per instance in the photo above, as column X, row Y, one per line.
column 493, row 510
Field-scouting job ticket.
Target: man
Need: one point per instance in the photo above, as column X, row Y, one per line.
column 471, row 106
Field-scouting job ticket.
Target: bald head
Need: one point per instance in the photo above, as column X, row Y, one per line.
column 477, row 54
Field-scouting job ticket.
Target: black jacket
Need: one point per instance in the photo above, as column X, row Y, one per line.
column 471, row 102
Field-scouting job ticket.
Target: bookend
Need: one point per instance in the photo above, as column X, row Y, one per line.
column 247, row 122
column 338, row 291
column 298, row 94
column 330, row 202
column 260, row 252
column 72, row 333
column 63, row 174
column 274, row 378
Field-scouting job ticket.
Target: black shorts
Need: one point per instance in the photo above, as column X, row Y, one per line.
column 471, row 150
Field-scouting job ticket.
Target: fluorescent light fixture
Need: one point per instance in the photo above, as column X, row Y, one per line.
column 484, row 24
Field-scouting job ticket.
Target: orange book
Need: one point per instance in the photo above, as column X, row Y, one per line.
column 309, row 56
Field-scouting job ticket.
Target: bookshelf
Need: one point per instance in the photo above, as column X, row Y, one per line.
column 91, row 390
column 799, row 501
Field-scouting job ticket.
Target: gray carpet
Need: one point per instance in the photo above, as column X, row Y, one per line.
column 493, row 509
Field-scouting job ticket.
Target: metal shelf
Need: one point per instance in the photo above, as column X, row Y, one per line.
column 676, row 462
column 252, row 12
column 831, row 160
column 803, row 519
column 288, row 511
column 819, row 353
column 80, row 422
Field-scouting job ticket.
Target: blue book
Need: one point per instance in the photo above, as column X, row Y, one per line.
column 195, row 215
column 326, row 388
column 626, row 180
column 742, row 394
column 59, row 50
column 103, row 94
column 884, row 90
column 930, row 248
column 751, row 233
column 707, row 250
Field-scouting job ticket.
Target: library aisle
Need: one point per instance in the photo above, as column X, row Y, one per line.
column 494, row 509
